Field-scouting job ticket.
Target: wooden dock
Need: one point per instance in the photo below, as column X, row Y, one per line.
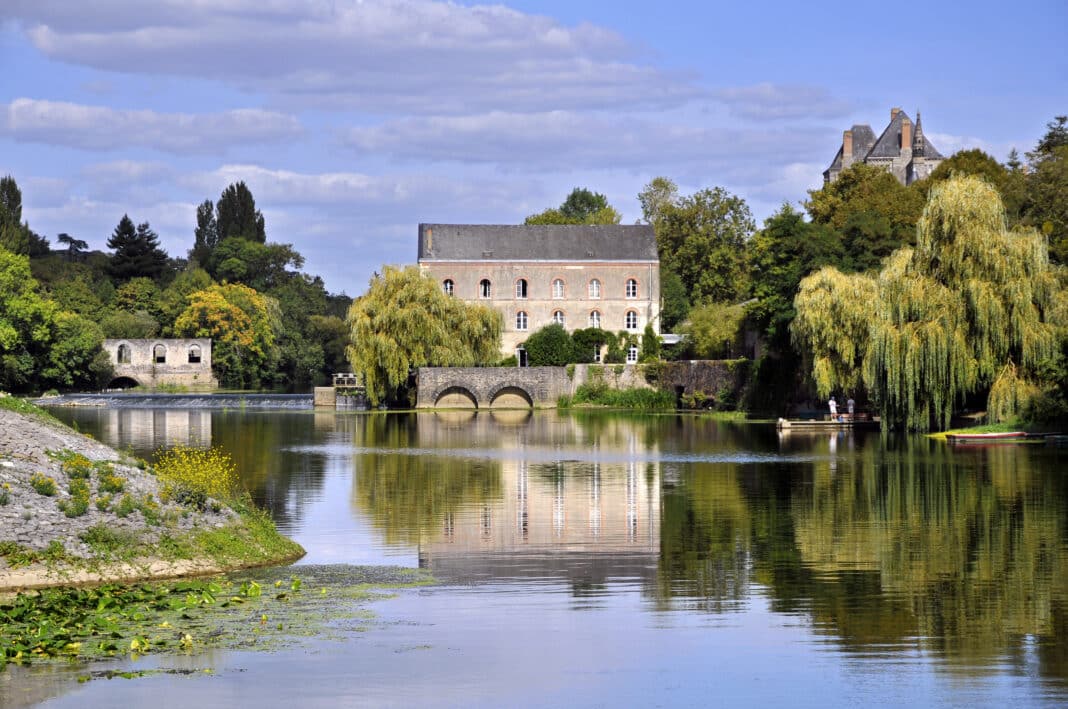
column 841, row 422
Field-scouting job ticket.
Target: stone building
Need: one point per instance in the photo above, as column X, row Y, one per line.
column 155, row 362
column 901, row 149
column 605, row 276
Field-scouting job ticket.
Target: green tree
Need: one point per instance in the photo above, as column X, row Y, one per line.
column 871, row 210
column 15, row 235
column 175, row 297
column 405, row 320
column 550, row 346
column 331, row 334
column 125, row 324
column 714, row 329
column 205, row 235
column 1056, row 136
column 580, row 207
column 1047, row 209
column 966, row 311
column 655, row 198
column 782, row 253
column 236, row 216
column 589, row 341
column 26, row 323
column 258, row 265
column 243, row 326
column 76, row 294
column 137, row 251
column 703, row 239
column 136, row 294
column 75, row 247
column 976, row 162
column 650, row 344
column 75, row 358
column 676, row 300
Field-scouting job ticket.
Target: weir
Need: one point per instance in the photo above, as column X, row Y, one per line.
column 148, row 400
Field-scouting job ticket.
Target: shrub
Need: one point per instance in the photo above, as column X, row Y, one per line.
column 103, row 503
column 550, row 346
column 126, row 506
column 647, row 399
column 43, row 484
column 76, row 466
column 109, row 482
column 210, row 472
column 78, row 504
column 5, row 494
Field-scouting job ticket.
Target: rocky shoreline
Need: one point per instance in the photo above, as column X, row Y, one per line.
column 50, row 536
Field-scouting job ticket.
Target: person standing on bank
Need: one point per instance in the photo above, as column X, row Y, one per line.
column 850, row 405
column 834, row 407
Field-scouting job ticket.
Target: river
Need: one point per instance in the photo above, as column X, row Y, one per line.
column 621, row 560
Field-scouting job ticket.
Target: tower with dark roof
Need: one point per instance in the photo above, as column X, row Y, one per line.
column 901, row 149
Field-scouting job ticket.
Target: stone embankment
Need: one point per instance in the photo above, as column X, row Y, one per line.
column 43, row 520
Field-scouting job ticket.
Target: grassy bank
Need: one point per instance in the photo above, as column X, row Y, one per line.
column 600, row 395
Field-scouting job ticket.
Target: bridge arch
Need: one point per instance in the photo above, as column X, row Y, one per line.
column 455, row 397
column 510, row 396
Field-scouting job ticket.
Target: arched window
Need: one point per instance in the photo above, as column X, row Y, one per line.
column 159, row 354
column 595, row 318
column 124, row 354
column 632, row 288
column 484, row 288
column 558, row 317
column 558, row 288
column 194, row 354
column 631, row 320
column 447, row 285
column 520, row 320
column 632, row 354
column 595, row 288
column 521, row 288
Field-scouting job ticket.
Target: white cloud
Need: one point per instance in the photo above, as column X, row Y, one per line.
column 567, row 140
column 101, row 128
column 420, row 56
column 772, row 102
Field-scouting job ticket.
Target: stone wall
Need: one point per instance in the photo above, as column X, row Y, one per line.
column 176, row 368
column 710, row 379
column 617, row 376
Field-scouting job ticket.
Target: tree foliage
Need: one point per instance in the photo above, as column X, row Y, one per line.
column 236, row 216
column 714, row 329
column 703, row 239
column 942, row 320
column 137, row 251
column 550, row 346
column 243, row 326
column 580, row 207
column 871, row 210
column 405, row 320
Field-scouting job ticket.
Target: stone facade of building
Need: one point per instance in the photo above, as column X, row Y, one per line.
column 605, row 276
column 162, row 362
column 901, row 149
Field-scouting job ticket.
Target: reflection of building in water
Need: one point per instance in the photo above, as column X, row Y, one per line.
column 588, row 520
column 156, row 428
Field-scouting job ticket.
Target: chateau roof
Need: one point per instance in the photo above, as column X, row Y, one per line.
column 504, row 242
column 888, row 144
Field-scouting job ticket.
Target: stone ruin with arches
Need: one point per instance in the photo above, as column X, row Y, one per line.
column 161, row 362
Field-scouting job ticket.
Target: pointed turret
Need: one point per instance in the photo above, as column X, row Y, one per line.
column 918, row 141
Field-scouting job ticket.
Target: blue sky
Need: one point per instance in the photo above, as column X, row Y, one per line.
column 354, row 121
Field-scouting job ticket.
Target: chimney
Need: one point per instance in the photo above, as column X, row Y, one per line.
column 906, row 134
column 893, row 113
column 847, row 146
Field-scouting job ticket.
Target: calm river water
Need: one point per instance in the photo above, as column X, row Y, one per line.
column 616, row 560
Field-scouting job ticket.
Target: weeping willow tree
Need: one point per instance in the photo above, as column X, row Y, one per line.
column 405, row 320
column 970, row 308
column 834, row 312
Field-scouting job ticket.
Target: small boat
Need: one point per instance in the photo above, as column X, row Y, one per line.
column 1002, row 437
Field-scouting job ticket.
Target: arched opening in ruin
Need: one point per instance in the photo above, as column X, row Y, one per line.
column 123, row 383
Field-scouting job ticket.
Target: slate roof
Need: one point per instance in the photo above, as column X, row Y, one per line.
column 888, row 144
column 863, row 139
column 496, row 242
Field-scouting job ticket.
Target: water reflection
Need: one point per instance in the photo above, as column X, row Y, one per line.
column 882, row 546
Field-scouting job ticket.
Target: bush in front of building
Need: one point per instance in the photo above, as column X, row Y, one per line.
column 550, row 346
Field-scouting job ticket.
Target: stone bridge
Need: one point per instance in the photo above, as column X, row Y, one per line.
column 490, row 387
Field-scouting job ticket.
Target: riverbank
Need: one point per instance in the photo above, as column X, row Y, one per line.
column 75, row 511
